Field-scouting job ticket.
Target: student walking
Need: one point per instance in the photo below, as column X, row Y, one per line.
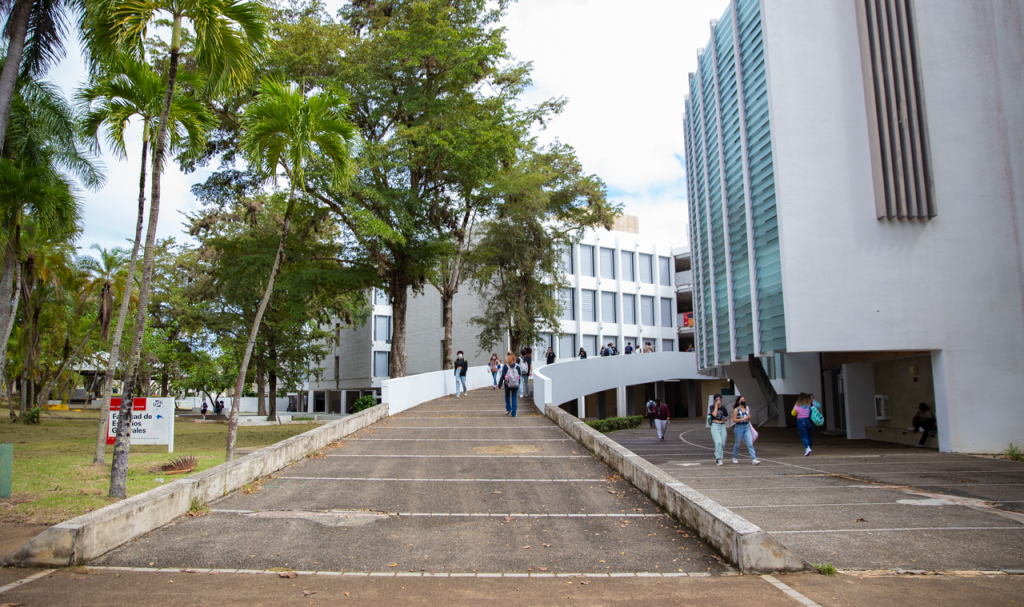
column 527, row 368
column 510, row 378
column 804, row 425
column 204, row 409
column 494, row 366
column 651, row 408
column 741, row 431
column 629, row 347
column 661, row 419
column 716, row 419
column 461, row 368
column 550, row 356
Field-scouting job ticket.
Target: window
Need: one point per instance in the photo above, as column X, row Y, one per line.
column 547, row 340
column 665, row 270
column 666, row 312
column 668, row 345
column 337, row 368
column 380, row 297
column 382, row 328
column 608, row 307
column 381, row 364
column 337, row 335
column 567, row 262
column 567, row 297
column 607, row 263
column 627, row 266
column 647, row 310
column 590, row 345
column 646, row 275
column 587, row 302
column 628, row 309
column 444, row 313
column 567, row 346
column 586, row 260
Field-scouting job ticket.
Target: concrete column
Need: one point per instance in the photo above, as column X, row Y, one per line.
column 944, row 431
column 859, row 379
column 620, row 401
column 692, row 396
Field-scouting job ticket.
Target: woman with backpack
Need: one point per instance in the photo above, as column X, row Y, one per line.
column 511, row 375
column 742, row 431
column 494, row 365
column 716, row 419
column 804, row 425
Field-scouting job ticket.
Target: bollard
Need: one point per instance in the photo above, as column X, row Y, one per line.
column 6, row 469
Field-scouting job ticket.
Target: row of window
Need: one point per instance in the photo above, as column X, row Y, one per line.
column 609, row 307
column 566, row 347
column 645, row 268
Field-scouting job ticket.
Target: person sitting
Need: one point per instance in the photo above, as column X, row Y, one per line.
column 924, row 421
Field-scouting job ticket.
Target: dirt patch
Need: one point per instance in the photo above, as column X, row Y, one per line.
column 507, row 449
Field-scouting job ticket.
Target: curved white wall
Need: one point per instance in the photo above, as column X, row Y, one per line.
column 406, row 392
column 569, row 380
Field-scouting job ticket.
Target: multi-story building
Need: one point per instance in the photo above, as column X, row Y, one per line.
column 621, row 291
column 856, row 185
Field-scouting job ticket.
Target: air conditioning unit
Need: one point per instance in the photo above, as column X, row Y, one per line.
column 882, row 406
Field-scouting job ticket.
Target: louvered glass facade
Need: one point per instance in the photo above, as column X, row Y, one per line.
column 731, row 189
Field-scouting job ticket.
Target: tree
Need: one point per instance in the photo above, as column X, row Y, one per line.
column 547, row 203
column 43, row 146
column 124, row 90
column 431, row 95
column 287, row 129
column 228, row 35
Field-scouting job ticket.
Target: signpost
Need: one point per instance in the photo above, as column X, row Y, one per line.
column 152, row 422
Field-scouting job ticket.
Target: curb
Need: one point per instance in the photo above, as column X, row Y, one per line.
column 742, row 543
column 86, row 537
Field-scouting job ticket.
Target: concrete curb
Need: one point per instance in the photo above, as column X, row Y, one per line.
column 86, row 537
column 741, row 542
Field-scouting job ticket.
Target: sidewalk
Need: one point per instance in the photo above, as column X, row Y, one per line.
column 856, row 504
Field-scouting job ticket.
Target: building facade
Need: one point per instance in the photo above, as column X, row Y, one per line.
column 621, row 291
column 856, row 181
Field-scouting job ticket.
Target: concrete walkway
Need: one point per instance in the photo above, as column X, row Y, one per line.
column 857, row 504
column 452, row 486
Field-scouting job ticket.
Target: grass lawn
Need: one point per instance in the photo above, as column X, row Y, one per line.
column 54, row 479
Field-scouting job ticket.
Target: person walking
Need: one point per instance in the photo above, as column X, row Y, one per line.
column 204, row 409
column 648, row 348
column 494, row 365
column 661, row 418
column 510, row 378
column 550, row 356
column 527, row 368
column 804, row 425
column 583, row 354
column 461, row 368
column 716, row 419
column 741, row 431
column 629, row 347
column 652, row 407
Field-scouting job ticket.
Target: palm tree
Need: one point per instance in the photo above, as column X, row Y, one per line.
column 286, row 129
column 228, row 37
column 127, row 90
column 42, row 146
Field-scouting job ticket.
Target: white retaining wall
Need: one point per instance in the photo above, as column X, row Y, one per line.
column 406, row 392
column 572, row 379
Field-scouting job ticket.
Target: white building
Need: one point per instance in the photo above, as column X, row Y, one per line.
column 856, row 178
column 622, row 290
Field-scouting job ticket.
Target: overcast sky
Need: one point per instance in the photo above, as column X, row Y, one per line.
column 622, row 66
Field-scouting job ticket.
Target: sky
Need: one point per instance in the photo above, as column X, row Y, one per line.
column 621, row 65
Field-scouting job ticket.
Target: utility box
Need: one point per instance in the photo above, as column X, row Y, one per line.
column 6, row 469
column 882, row 406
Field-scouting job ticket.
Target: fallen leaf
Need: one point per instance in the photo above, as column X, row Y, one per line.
column 860, row 520
column 546, row 545
column 585, row 583
column 393, row 565
column 542, row 568
column 288, row 574
column 150, row 564
column 308, row 592
column 525, row 547
column 496, row 492
column 346, row 594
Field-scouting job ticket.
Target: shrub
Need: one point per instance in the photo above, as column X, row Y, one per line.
column 825, row 568
column 365, row 402
column 32, row 415
column 1014, row 453
column 616, row 423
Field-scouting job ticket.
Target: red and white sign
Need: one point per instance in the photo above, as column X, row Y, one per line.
column 152, row 421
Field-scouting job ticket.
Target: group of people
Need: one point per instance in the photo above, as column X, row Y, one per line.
column 658, row 413
column 218, row 407
column 805, row 410
column 513, row 375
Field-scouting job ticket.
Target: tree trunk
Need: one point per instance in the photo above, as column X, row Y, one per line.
column 446, row 300
column 164, row 384
column 236, row 400
column 44, row 394
column 272, row 415
column 8, row 326
column 399, row 292
column 119, row 467
column 22, row 395
column 17, row 29
column 261, row 387
column 115, row 342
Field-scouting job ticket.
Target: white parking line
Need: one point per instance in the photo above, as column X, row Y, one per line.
column 455, row 440
column 633, row 574
column 888, row 529
column 445, row 480
column 24, row 581
column 462, row 456
column 789, row 591
column 621, row 515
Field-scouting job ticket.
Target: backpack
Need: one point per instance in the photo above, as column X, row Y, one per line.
column 512, row 376
column 816, row 417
